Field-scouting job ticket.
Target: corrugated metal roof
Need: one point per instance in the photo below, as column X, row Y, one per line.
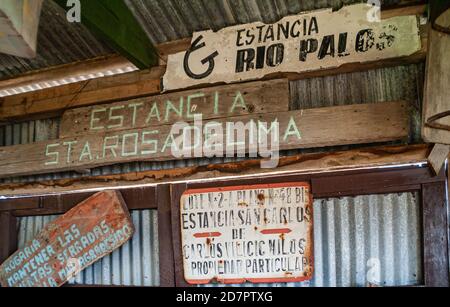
column 371, row 239
column 175, row 19
column 59, row 42
column 136, row 263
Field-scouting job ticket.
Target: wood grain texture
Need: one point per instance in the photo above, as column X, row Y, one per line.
column 320, row 127
column 166, row 254
column 435, row 234
column 437, row 89
column 54, row 101
column 176, row 191
column 8, row 235
column 371, row 157
column 214, row 102
column 86, row 233
column 438, row 156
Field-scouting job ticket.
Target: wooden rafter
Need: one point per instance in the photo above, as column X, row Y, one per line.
column 112, row 21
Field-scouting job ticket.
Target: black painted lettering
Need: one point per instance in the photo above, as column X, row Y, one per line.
column 244, row 60
column 275, row 55
column 327, row 47
column 307, row 46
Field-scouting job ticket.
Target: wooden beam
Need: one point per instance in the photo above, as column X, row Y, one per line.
column 53, row 101
column 8, row 235
column 435, row 234
column 112, row 21
column 135, row 198
column 340, row 125
column 166, row 253
column 48, row 76
column 384, row 156
column 375, row 183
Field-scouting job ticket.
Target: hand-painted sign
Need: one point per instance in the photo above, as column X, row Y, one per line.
column 72, row 242
column 256, row 233
column 316, row 40
column 258, row 135
column 213, row 102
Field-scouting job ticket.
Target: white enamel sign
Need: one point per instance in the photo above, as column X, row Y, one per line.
column 256, row 233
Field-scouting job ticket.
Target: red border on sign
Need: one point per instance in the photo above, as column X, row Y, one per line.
column 251, row 187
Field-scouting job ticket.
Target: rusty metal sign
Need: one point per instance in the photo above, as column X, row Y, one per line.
column 72, row 242
column 256, row 233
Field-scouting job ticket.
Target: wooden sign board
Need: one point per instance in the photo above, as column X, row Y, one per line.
column 213, row 102
column 342, row 125
column 436, row 107
column 313, row 41
column 257, row 233
column 72, row 242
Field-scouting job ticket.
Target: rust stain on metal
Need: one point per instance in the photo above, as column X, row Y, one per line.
column 72, row 242
column 261, row 197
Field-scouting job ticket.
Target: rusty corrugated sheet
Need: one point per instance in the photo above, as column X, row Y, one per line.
column 358, row 241
column 59, row 42
column 134, row 264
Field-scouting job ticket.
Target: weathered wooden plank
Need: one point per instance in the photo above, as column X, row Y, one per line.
column 213, row 102
column 140, row 198
column 72, row 242
column 166, row 253
column 438, row 156
column 435, row 234
column 316, row 40
column 176, row 191
column 47, row 76
column 436, row 107
column 53, row 101
column 377, row 182
column 384, row 156
column 342, row 125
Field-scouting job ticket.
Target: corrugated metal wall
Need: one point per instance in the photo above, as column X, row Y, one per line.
column 372, row 239
column 136, row 263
